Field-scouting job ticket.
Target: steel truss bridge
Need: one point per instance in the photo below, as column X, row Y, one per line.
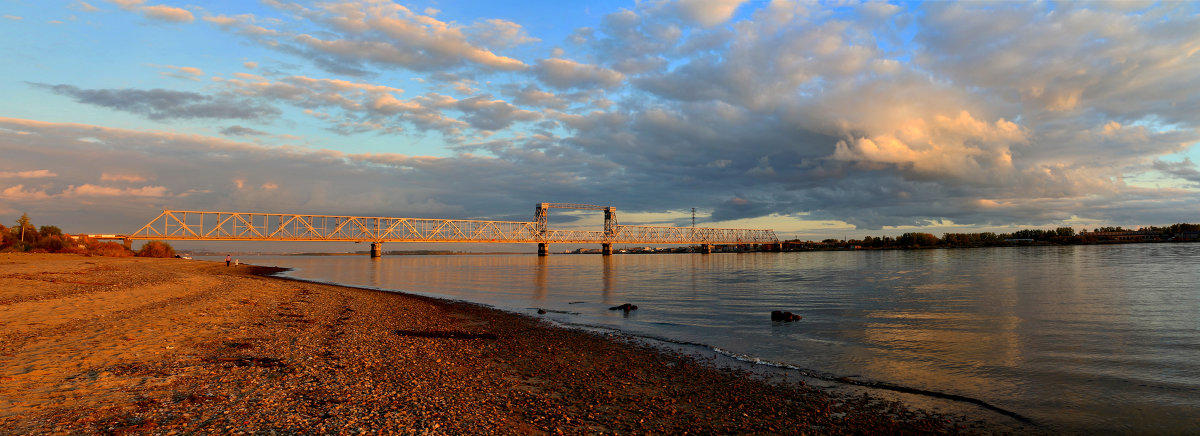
column 179, row 225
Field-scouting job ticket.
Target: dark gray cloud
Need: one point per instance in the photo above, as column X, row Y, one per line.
column 164, row 104
column 485, row 113
column 242, row 131
column 531, row 96
column 1185, row 170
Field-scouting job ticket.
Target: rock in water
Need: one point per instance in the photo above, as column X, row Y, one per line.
column 626, row 307
column 779, row 315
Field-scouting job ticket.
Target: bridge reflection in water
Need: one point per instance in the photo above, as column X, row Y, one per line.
column 240, row 226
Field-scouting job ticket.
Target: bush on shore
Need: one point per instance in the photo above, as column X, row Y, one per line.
column 156, row 249
column 108, row 249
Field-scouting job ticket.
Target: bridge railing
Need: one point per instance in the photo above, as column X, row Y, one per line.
column 204, row 225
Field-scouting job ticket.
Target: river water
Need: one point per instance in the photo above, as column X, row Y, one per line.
column 1079, row 339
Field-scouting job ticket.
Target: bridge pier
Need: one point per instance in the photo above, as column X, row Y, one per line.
column 376, row 249
column 706, row 249
column 543, row 249
column 606, row 249
column 128, row 243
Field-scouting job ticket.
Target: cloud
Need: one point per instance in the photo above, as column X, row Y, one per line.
column 163, row 104
column 532, row 96
column 89, row 190
column 241, row 131
column 155, row 12
column 738, row 208
column 486, row 114
column 1092, row 59
column 132, row 178
column 958, row 147
column 1184, row 169
column 83, row 6
column 33, row 174
column 707, row 13
column 352, row 36
column 498, row 33
column 357, row 107
column 19, row 193
column 193, row 171
column 167, row 13
column 128, row 4
column 188, row 70
column 14, row 17
column 185, row 73
column 567, row 74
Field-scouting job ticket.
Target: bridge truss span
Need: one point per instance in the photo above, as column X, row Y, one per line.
column 237, row 226
column 241, row 226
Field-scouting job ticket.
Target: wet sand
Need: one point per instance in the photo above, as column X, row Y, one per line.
column 161, row 346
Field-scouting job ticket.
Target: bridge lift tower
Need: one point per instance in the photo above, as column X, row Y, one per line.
column 541, row 219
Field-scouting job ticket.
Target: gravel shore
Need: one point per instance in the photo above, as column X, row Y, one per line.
column 164, row 346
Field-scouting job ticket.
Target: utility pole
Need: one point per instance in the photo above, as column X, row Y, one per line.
column 693, row 217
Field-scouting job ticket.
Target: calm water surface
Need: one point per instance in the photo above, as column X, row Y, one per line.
column 1080, row 339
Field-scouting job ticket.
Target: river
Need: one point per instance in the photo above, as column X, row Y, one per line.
column 1079, row 339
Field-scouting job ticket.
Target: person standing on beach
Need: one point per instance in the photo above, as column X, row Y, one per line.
column 226, row 260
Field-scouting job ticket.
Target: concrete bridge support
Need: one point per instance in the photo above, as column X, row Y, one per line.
column 706, row 249
column 376, row 249
column 543, row 249
column 128, row 243
column 606, row 249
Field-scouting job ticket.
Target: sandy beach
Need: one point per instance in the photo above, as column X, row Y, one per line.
column 164, row 346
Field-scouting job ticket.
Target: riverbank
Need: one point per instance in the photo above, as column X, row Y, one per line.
column 134, row 345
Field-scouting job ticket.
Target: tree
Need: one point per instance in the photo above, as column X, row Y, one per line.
column 24, row 226
column 914, row 239
column 6, row 237
column 48, row 231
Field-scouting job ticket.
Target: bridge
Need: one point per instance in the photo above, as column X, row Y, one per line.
column 179, row 225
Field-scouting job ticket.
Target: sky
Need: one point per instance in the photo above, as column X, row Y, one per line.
column 815, row 119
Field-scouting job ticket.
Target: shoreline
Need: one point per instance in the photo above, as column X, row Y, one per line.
column 134, row 345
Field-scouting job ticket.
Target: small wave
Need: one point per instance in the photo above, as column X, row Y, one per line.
column 565, row 312
column 874, row 384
